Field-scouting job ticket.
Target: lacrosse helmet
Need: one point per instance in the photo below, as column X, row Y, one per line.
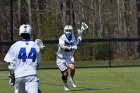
column 68, row 31
column 25, row 28
column 68, row 28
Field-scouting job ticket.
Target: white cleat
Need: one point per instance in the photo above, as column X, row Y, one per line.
column 73, row 83
column 66, row 88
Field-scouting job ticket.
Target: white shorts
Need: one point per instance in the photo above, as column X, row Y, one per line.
column 28, row 84
column 63, row 63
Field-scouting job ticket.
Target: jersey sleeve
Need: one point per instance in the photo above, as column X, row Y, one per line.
column 61, row 43
column 10, row 56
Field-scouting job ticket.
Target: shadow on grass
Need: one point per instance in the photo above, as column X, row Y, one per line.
column 86, row 89
column 80, row 88
column 83, row 89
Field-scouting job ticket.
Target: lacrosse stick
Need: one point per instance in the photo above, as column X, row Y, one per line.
column 39, row 43
column 81, row 30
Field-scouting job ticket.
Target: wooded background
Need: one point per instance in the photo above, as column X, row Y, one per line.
column 105, row 18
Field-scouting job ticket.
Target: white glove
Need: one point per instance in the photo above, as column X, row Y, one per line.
column 74, row 47
column 79, row 38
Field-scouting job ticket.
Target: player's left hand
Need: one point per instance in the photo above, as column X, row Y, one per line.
column 79, row 38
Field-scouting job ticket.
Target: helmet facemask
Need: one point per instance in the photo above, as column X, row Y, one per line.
column 25, row 36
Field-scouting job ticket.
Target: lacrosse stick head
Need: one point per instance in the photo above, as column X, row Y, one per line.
column 39, row 43
column 84, row 26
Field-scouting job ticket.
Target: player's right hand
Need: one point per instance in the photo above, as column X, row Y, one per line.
column 11, row 79
column 74, row 47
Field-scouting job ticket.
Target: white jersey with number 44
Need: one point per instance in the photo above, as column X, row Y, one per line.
column 26, row 56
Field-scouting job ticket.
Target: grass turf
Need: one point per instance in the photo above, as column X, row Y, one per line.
column 89, row 80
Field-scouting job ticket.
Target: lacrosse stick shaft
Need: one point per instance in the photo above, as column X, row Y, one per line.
column 80, row 32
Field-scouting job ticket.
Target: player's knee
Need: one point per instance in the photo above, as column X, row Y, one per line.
column 64, row 75
column 72, row 67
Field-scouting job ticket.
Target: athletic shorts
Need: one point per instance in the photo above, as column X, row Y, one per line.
column 27, row 84
column 63, row 63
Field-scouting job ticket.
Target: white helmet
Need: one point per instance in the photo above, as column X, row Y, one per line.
column 25, row 28
column 68, row 27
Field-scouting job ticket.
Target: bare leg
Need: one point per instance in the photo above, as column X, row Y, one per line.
column 72, row 73
column 72, row 70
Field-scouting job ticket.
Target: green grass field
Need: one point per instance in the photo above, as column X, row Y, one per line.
column 88, row 80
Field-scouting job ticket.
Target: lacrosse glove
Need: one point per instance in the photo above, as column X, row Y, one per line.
column 74, row 47
column 11, row 79
column 79, row 38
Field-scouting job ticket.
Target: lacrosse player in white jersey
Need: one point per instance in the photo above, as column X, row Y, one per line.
column 67, row 45
column 23, row 58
